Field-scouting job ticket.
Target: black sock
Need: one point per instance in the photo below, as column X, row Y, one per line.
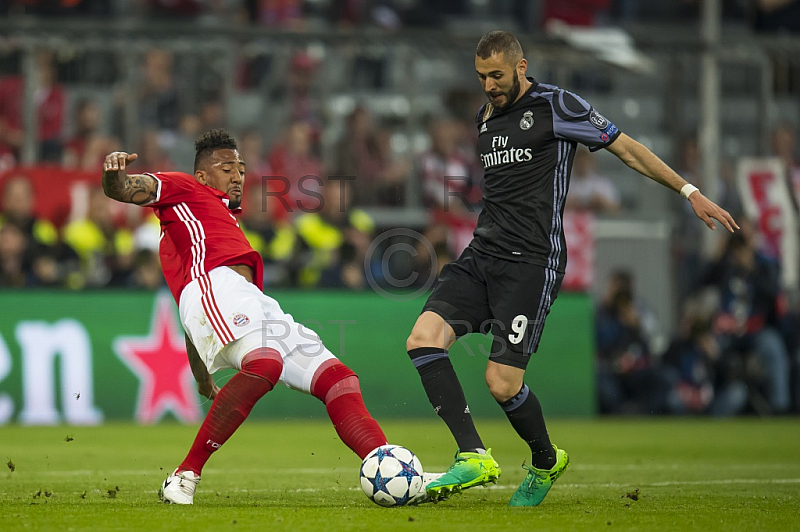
column 446, row 396
column 525, row 414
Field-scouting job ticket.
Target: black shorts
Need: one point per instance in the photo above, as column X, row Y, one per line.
column 481, row 293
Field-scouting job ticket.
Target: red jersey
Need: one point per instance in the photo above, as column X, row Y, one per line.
column 199, row 232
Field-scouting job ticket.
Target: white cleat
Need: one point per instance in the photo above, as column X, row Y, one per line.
column 422, row 496
column 178, row 488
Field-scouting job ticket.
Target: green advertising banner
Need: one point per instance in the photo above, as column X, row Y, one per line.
column 82, row 358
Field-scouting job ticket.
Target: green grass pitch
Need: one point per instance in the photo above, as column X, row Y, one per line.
column 625, row 474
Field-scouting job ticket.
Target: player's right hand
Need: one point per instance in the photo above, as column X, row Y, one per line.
column 708, row 211
column 118, row 160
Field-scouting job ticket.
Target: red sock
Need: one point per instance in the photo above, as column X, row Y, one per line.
column 337, row 386
column 260, row 371
column 357, row 429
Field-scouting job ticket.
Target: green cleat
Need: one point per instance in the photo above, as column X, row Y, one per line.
column 469, row 469
column 537, row 483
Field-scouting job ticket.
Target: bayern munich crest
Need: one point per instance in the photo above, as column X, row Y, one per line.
column 527, row 120
column 240, row 320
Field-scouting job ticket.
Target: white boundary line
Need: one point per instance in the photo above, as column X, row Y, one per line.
column 341, row 469
column 500, row 487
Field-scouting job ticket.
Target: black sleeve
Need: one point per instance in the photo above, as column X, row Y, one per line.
column 574, row 119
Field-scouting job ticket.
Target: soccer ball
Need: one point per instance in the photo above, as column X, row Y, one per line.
column 391, row 475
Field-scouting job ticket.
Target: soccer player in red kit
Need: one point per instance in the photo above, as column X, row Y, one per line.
column 216, row 277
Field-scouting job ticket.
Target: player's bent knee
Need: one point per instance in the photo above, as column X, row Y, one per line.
column 502, row 390
column 430, row 330
column 502, row 394
column 264, row 363
column 330, row 377
column 424, row 337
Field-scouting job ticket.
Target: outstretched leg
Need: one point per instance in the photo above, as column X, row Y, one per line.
column 261, row 369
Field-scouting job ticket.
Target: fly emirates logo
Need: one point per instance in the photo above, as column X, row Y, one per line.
column 501, row 154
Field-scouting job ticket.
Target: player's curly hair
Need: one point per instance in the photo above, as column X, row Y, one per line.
column 499, row 42
column 215, row 139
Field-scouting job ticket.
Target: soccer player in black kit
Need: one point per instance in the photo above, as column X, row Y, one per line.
column 509, row 276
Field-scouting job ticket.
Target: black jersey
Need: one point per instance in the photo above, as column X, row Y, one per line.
column 527, row 152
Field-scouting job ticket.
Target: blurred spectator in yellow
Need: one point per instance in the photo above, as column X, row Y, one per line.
column 49, row 97
column 272, row 236
column 590, row 191
column 334, row 240
column 88, row 146
column 14, row 264
column 274, row 240
column 48, row 260
column 102, row 248
column 18, row 208
column 146, row 271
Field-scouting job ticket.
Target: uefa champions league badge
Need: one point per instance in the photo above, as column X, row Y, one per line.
column 240, row 320
column 527, row 121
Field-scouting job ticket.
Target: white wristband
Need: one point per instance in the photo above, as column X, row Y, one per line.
column 687, row 190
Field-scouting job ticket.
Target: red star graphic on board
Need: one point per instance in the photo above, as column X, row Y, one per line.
column 159, row 360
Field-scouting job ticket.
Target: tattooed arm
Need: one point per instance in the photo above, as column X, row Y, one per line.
column 128, row 188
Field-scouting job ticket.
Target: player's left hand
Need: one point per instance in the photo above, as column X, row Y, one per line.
column 708, row 211
column 208, row 389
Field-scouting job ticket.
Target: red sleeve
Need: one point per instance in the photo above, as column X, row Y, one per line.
column 173, row 188
column 171, row 266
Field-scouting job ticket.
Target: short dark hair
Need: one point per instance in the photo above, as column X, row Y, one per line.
column 215, row 139
column 499, row 42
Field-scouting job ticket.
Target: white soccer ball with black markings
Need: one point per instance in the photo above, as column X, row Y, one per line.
column 391, row 475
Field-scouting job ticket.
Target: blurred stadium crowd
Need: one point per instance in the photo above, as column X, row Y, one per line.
column 737, row 343
column 298, row 15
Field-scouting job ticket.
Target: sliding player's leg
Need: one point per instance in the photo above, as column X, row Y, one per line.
column 311, row 368
column 259, row 370
column 222, row 313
